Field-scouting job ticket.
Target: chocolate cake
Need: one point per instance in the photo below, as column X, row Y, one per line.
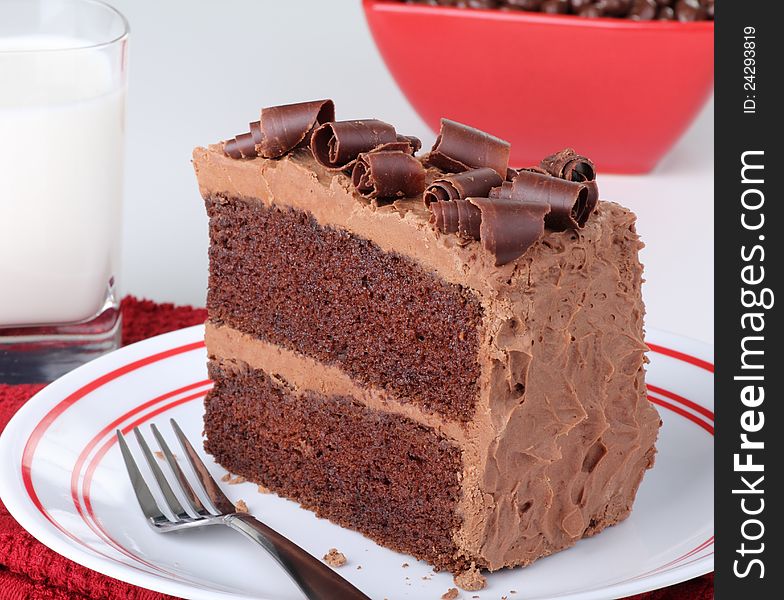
column 440, row 352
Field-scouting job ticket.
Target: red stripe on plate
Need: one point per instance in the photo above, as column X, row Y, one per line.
column 692, row 405
column 692, row 360
column 94, row 525
column 38, row 432
column 682, row 412
column 109, row 429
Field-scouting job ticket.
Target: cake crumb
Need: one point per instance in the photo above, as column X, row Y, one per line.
column 263, row 490
column 471, row 580
column 159, row 455
column 334, row 558
column 226, row 477
column 237, row 479
column 359, row 567
column 512, row 591
column 426, row 578
column 450, row 594
column 241, row 506
column 404, row 565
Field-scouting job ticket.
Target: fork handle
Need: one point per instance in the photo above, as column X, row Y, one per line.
column 316, row 580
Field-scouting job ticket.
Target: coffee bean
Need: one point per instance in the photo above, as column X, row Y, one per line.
column 560, row 7
column 643, row 10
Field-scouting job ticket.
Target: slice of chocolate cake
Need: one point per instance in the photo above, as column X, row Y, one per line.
column 442, row 353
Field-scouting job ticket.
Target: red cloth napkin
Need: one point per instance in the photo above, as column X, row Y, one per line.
column 30, row 571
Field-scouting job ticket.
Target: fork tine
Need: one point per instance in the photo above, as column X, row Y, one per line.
column 210, row 487
column 168, row 495
column 143, row 495
column 193, row 500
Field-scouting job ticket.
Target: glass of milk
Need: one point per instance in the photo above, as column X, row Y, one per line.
column 63, row 71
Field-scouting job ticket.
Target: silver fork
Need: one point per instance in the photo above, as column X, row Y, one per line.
column 316, row 580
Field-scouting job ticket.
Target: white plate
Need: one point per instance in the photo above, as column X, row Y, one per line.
column 62, row 478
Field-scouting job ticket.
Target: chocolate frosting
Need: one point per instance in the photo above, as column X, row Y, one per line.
column 476, row 182
column 388, row 175
column 535, row 479
column 337, row 145
column 280, row 130
column 459, row 148
column 509, row 227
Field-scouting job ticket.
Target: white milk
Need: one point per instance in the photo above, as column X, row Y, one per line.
column 61, row 158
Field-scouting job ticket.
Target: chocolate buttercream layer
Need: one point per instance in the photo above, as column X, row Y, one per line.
column 562, row 430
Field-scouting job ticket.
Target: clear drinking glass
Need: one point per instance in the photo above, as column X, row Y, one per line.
column 63, row 72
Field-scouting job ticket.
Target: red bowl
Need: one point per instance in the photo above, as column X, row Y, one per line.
column 619, row 91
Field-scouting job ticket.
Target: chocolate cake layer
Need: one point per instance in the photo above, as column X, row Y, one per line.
column 279, row 275
column 396, row 481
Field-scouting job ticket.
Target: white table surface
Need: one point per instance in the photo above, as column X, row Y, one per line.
column 201, row 70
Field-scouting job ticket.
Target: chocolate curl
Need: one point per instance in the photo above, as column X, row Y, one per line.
column 388, row 175
column 404, row 143
column 509, row 227
column 456, row 216
column 280, row 130
column 568, row 200
column 476, row 182
column 283, row 128
column 459, row 148
column 414, row 142
column 569, row 165
column 337, row 145
column 242, row 146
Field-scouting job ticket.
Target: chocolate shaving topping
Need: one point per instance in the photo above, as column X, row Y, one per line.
column 469, row 220
column 437, row 216
column 283, row 128
column 413, row 141
column 337, row 145
column 255, row 132
column 280, row 130
column 456, row 216
column 476, row 182
column 459, row 148
column 568, row 200
column 401, row 145
column 509, row 227
column 388, row 175
column 241, row 146
column 569, row 165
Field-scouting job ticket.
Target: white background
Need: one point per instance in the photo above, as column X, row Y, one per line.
column 201, row 70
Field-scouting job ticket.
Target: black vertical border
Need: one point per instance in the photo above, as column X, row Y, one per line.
column 736, row 133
